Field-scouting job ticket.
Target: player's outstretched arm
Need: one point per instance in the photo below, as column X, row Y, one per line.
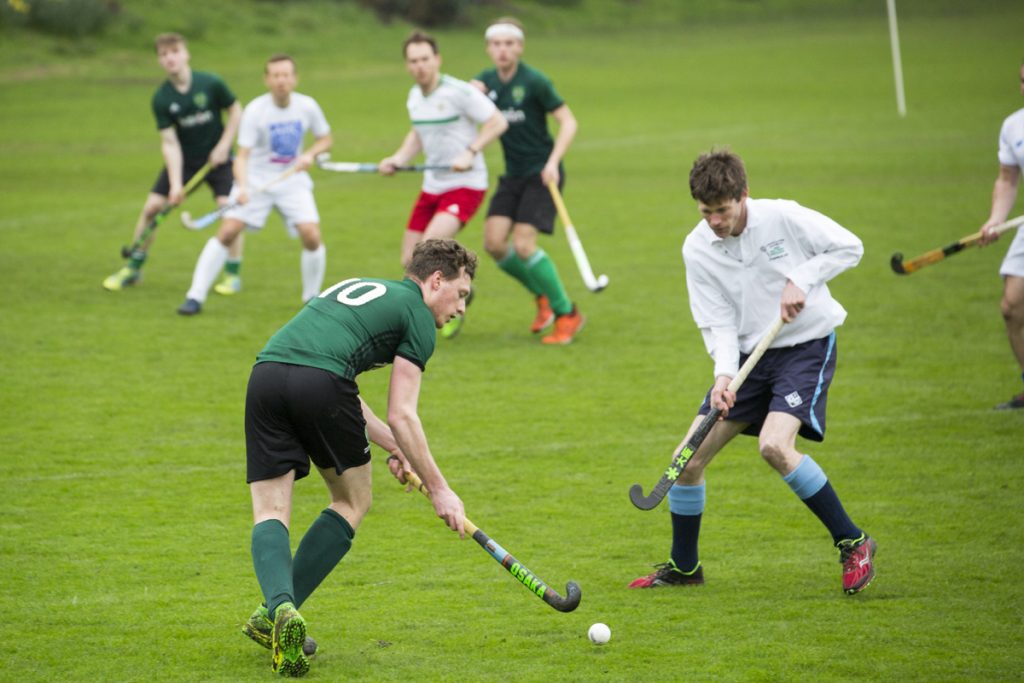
column 403, row 397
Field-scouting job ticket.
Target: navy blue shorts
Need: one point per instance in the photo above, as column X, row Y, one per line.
column 294, row 414
column 792, row 380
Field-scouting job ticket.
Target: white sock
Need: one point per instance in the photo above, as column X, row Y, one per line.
column 209, row 265
column 314, row 265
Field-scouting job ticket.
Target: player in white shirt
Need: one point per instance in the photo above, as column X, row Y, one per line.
column 749, row 262
column 270, row 140
column 1004, row 194
column 452, row 122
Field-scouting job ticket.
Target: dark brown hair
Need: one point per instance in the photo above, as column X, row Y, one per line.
column 717, row 176
column 447, row 256
column 418, row 36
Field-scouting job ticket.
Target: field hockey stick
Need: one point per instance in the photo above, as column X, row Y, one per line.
column 668, row 478
column 322, row 161
column 209, row 219
column 902, row 267
column 154, row 223
column 523, row 575
column 594, row 284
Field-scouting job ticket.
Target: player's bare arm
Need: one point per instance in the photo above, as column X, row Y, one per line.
column 240, row 169
column 319, row 146
column 403, row 396
column 174, row 161
column 1004, row 195
column 410, row 147
column 491, row 130
column 567, row 127
column 221, row 152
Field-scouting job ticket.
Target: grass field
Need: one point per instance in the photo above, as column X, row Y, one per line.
column 124, row 552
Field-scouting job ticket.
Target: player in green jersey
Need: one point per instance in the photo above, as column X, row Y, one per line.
column 303, row 404
column 188, row 108
column 522, row 205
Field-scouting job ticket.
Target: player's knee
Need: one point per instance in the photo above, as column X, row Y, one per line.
column 772, row 450
column 1012, row 309
column 495, row 247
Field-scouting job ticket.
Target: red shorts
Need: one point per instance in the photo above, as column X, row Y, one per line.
column 461, row 202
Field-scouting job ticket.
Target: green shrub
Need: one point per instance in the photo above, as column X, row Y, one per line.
column 74, row 18
column 419, row 12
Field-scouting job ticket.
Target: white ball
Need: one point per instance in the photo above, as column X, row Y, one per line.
column 599, row 634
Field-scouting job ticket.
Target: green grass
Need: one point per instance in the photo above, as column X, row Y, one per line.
column 124, row 552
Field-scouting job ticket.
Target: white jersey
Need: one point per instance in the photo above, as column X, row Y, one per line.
column 446, row 121
column 1011, row 153
column 275, row 134
column 735, row 284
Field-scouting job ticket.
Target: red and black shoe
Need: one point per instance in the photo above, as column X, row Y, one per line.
column 668, row 574
column 1013, row 404
column 857, row 555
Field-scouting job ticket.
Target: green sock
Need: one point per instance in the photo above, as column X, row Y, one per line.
column 325, row 543
column 138, row 258
column 232, row 266
column 544, row 273
column 516, row 267
column 272, row 559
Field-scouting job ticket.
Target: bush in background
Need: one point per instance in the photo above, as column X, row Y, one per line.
column 73, row 18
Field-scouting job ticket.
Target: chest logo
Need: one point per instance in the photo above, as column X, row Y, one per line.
column 775, row 250
column 493, row 95
column 200, row 100
column 174, row 108
column 518, row 94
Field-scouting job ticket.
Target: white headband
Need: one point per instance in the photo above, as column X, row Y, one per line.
column 508, row 30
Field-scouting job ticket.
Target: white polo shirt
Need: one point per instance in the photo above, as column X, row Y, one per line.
column 446, row 121
column 275, row 135
column 735, row 284
column 1011, row 153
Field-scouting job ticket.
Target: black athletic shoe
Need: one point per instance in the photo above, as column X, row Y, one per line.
column 1014, row 403
column 668, row 574
column 190, row 307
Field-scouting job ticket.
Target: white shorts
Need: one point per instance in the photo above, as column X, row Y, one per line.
column 1013, row 264
column 292, row 197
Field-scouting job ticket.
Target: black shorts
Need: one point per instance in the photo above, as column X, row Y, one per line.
column 526, row 200
column 793, row 380
column 219, row 178
column 294, row 414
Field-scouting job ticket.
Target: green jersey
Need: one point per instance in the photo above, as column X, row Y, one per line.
column 525, row 101
column 356, row 325
column 195, row 115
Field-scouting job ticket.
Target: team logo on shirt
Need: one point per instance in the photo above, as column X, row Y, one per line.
column 518, row 93
column 794, row 399
column 493, row 95
column 174, row 108
column 285, row 141
column 775, row 250
column 200, row 100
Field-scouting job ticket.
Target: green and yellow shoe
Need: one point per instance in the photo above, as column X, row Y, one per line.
column 260, row 629
column 286, row 645
column 121, row 279
column 228, row 285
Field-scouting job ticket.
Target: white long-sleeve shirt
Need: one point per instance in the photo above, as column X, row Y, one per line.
column 735, row 284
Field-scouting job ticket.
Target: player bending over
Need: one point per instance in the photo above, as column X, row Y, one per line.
column 303, row 404
column 748, row 262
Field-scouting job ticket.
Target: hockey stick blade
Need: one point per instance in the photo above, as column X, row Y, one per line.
column 523, row 575
column 675, row 468
column 678, row 464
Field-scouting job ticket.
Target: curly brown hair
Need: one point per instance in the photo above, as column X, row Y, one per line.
column 717, row 176
column 447, row 256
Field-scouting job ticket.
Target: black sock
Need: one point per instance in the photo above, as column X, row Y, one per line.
column 825, row 504
column 685, row 532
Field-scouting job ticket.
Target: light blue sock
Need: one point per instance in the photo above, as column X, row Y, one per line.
column 807, row 479
column 687, row 500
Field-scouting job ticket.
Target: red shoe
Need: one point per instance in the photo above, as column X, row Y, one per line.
column 857, row 557
column 545, row 316
column 566, row 328
column 668, row 574
column 1013, row 404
